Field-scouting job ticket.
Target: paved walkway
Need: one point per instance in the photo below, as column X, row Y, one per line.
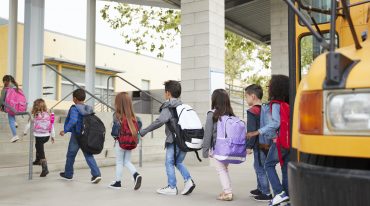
column 53, row 191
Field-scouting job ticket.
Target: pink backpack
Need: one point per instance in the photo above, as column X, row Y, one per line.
column 43, row 123
column 16, row 100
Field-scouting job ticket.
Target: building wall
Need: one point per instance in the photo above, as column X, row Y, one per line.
column 279, row 38
column 135, row 67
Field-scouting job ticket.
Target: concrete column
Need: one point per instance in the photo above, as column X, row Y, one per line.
column 12, row 35
column 90, row 48
column 202, row 52
column 33, row 51
column 279, row 38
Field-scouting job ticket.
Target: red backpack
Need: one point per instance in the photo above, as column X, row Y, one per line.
column 126, row 140
column 283, row 136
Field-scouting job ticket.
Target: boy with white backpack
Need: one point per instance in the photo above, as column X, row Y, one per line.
column 184, row 133
column 224, row 139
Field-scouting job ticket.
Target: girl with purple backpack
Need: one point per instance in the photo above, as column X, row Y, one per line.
column 43, row 128
column 221, row 127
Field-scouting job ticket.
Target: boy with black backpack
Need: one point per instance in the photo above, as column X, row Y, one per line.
column 74, row 125
column 253, row 95
column 174, row 156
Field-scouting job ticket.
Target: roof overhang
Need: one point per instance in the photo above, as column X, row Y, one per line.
column 248, row 18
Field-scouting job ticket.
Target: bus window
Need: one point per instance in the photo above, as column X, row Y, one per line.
column 309, row 49
column 319, row 17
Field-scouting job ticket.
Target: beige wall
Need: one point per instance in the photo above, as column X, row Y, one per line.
column 136, row 67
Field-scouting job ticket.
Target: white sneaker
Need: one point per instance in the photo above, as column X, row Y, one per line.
column 167, row 191
column 282, row 197
column 188, row 188
column 14, row 139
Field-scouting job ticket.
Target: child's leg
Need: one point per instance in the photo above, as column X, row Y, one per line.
column 11, row 120
column 223, row 174
column 170, row 165
column 127, row 162
column 40, row 141
column 90, row 160
column 180, row 156
column 284, row 171
column 272, row 160
column 119, row 162
column 38, row 144
column 71, row 156
column 262, row 179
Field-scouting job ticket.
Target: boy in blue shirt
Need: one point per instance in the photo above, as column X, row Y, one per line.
column 74, row 125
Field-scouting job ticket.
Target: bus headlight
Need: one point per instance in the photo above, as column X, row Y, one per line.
column 348, row 112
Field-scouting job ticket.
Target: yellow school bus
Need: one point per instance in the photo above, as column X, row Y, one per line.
column 330, row 72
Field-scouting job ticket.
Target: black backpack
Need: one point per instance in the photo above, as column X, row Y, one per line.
column 92, row 137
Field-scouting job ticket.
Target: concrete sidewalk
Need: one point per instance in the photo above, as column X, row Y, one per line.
column 53, row 191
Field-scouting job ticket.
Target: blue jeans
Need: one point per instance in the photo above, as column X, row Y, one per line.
column 170, row 164
column 11, row 120
column 123, row 159
column 262, row 180
column 271, row 161
column 73, row 148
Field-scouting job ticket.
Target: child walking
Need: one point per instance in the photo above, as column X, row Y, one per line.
column 74, row 125
column 172, row 93
column 9, row 82
column 124, row 123
column 43, row 129
column 220, row 106
column 253, row 95
column 278, row 92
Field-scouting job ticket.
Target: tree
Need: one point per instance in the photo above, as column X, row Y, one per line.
column 158, row 28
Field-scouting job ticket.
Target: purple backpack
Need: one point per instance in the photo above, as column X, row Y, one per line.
column 230, row 144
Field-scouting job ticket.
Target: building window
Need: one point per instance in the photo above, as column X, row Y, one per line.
column 49, row 88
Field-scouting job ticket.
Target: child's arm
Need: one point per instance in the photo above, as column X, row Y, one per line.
column 251, row 127
column 163, row 118
column 73, row 117
column 208, row 132
column 274, row 124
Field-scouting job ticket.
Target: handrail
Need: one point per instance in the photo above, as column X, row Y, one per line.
column 72, row 82
column 60, row 101
column 30, row 153
column 130, row 85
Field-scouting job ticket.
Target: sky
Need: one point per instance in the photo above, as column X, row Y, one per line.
column 69, row 17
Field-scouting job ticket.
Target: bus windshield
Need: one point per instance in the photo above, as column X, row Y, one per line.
column 311, row 8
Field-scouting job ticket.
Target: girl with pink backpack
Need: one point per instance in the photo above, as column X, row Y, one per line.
column 224, row 139
column 43, row 128
column 12, row 100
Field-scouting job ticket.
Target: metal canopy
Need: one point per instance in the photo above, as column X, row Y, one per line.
column 248, row 18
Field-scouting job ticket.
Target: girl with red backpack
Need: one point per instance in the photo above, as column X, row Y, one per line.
column 9, row 84
column 125, row 132
column 43, row 128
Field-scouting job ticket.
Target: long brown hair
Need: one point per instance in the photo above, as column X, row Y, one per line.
column 39, row 106
column 221, row 104
column 10, row 78
column 124, row 108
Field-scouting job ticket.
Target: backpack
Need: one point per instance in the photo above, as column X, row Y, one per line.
column 283, row 135
column 186, row 128
column 230, row 144
column 125, row 139
column 16, row 100
column 42, row 123
column 92, row 137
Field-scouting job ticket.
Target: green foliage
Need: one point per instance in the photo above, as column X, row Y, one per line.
column 156, row 28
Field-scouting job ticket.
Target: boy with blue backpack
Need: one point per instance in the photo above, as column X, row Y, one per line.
column 275, row 125
column 253, row 95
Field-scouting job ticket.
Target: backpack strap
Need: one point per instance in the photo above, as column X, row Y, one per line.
column 198, row 157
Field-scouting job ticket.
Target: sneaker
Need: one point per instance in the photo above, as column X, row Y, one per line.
column 63, row 175
column 115, row 185
column 16, row 125
column 95, row 179
column 167, row 191
column 256, row 192
column 225, row 196
column 282, row 197
column 138, row 180
column 189, row 187
column 14, row 139
column 263, row 198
